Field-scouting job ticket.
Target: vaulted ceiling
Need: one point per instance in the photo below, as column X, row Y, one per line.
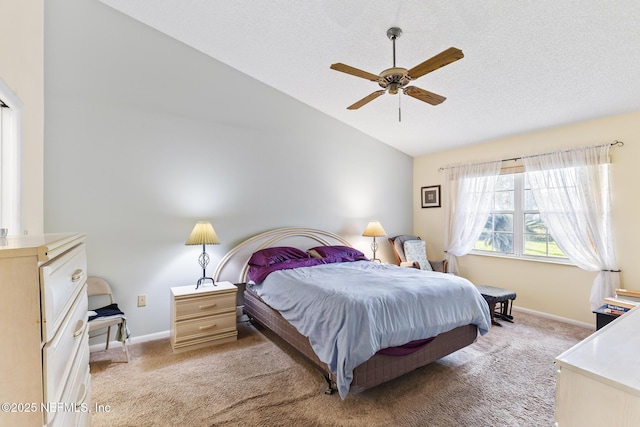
column 527, row 66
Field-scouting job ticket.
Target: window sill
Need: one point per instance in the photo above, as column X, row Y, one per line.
column 532, row 259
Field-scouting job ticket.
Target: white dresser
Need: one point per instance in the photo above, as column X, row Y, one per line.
column 44, row 359
column 598, row 380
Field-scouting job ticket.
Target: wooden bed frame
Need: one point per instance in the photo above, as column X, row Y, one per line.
column 377, row 370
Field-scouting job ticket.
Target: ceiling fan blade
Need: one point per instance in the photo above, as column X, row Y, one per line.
column 424, row 95
column 440, row 60
column 366, row 100
column 354, row 71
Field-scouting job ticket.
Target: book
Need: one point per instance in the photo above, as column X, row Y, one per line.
column 608, row 307
column 613, row 311
column 628, row 294
column 619, row 302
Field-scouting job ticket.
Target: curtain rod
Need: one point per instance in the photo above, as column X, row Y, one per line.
column 513, row 159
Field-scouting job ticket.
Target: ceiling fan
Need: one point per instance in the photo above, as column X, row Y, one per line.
column 397, row 78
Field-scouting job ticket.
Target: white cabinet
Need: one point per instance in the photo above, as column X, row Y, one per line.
column 44, row 360
column 598, row 380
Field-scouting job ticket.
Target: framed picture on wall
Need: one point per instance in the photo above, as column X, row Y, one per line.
column 431, row 196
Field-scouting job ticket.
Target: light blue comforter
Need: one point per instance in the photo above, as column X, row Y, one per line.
column 351, row 310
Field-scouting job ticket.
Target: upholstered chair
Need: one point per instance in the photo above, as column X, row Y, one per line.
column 410, row 251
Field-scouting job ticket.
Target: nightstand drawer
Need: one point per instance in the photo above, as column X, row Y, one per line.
column 207, row 305
column 206, row 327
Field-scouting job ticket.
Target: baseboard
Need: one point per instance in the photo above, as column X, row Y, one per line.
column 240, row 316
column 133, row 340
column 554, row 317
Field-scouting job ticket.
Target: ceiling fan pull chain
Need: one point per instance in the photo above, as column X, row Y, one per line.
column 399, row 107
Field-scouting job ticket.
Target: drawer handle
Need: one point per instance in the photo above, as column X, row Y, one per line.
column 204, row 307
column 79, row 329
column 207, row 327
column 80, row 400
column 77, row 275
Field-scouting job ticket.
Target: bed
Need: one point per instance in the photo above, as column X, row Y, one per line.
column 374, row 326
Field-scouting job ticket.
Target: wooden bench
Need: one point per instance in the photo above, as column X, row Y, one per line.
column 495, row 296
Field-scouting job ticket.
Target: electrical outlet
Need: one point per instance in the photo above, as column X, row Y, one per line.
column 142, row 300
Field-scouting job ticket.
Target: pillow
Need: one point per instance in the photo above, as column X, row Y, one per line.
column 398, row 243
column 257, row 273
column 416, row 251
column 345, row 253
column 276, row 254
column 313, row 253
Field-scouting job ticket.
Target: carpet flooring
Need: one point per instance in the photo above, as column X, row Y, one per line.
column 506, row 378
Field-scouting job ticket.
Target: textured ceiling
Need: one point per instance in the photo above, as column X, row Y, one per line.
column 528, row 65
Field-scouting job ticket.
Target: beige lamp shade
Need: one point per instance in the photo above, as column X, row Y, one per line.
column 374, row 229
column 203, row 234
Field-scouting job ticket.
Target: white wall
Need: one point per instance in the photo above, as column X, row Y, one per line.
column 559, row 290
column 145, row 136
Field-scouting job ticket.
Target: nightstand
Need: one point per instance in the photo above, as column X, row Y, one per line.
column 603, row 318
column 204, row 316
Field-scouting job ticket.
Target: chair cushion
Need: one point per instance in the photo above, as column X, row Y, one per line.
column 416, row 251
column 398, row 243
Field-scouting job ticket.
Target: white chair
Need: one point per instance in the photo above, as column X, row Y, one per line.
column 97, row 287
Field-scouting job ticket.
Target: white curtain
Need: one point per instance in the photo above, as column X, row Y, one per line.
column 469, row 193
column 10, row 160
column 10, row 194
column 571, row 189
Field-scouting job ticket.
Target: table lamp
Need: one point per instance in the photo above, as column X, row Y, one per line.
column 374, row 229
column 203, row 234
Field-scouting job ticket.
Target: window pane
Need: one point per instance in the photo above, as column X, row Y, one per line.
column 529, row 202
column 495, row 242
column 503, row 242
column 535, row 245
column 484, row 242
column 533, row 224
column 554, row 250
column 503, row 222
column 488, row 226
column 504, row 182
column 503, row 200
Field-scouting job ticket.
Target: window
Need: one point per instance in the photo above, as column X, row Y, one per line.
column 10, row 160
column 514, row 227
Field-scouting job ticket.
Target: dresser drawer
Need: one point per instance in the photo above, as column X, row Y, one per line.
column 73, row 410
column 200, row 328
column 205, row 305
column 60, row 282
column 61, row 354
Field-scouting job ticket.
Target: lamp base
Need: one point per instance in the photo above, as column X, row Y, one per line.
column 204, row 279
column 374, row 248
